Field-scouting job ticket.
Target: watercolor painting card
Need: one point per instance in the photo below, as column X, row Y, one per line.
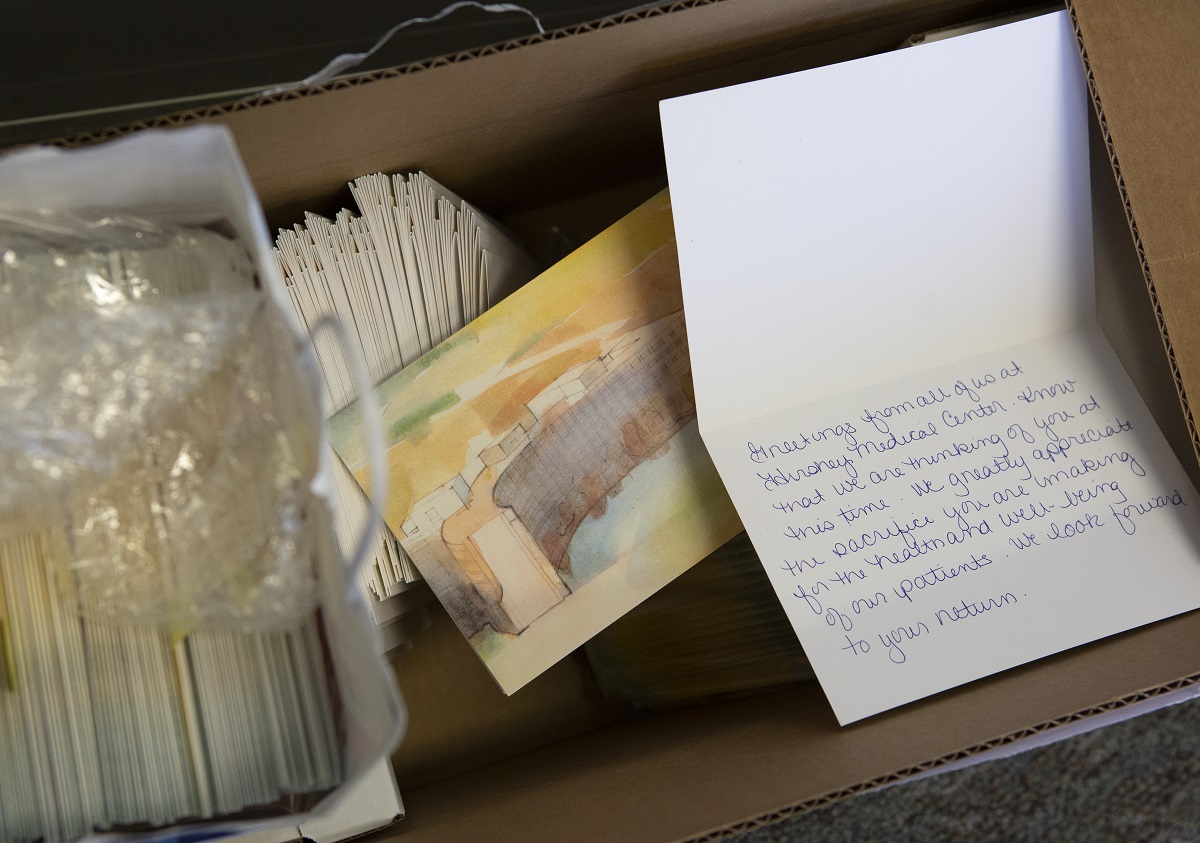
column 545, row 469
column 939, row 459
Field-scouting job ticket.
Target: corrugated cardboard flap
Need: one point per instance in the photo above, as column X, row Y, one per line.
column 1145, row 84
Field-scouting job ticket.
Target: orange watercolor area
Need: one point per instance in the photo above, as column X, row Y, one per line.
column 431, row 456
column 647, row 294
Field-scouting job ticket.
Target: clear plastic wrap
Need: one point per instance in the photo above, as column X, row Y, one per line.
column 149, row 404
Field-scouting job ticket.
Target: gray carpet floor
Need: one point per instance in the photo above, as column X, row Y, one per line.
column 1134, row 781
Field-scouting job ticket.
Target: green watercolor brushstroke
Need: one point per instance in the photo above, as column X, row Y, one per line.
column 394, row 387
column 528, row 344
column 533, row 340
column 430, row 357
column 403, row 427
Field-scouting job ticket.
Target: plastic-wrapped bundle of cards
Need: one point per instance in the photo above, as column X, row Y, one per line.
column 180, row 640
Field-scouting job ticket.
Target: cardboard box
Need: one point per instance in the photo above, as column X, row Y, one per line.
column 564, row 128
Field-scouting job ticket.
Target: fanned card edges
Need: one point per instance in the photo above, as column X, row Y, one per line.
column 416, row 266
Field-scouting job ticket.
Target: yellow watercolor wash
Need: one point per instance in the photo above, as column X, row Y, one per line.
column 624, row 278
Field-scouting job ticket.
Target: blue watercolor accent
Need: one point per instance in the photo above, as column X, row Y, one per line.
column 643, row 504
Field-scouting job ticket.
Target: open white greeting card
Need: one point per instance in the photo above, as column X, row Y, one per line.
column 888, row 284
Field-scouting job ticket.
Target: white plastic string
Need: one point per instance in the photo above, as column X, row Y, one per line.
column 341, row 63
column 373, row 434
column 347, row 61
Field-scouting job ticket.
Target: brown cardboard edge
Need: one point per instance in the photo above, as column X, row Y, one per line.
column 397, row 818
column 183, row 118
column 1130, row 217
column 1037, row 7
column 726, row 831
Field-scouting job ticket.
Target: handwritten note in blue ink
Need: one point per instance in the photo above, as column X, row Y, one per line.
column 968, row 519
column 942, row 465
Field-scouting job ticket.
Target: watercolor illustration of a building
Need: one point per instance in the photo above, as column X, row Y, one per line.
column 494, row 540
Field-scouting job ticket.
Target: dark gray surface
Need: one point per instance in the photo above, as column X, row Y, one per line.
column 87, row 66
column 1134, row 781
